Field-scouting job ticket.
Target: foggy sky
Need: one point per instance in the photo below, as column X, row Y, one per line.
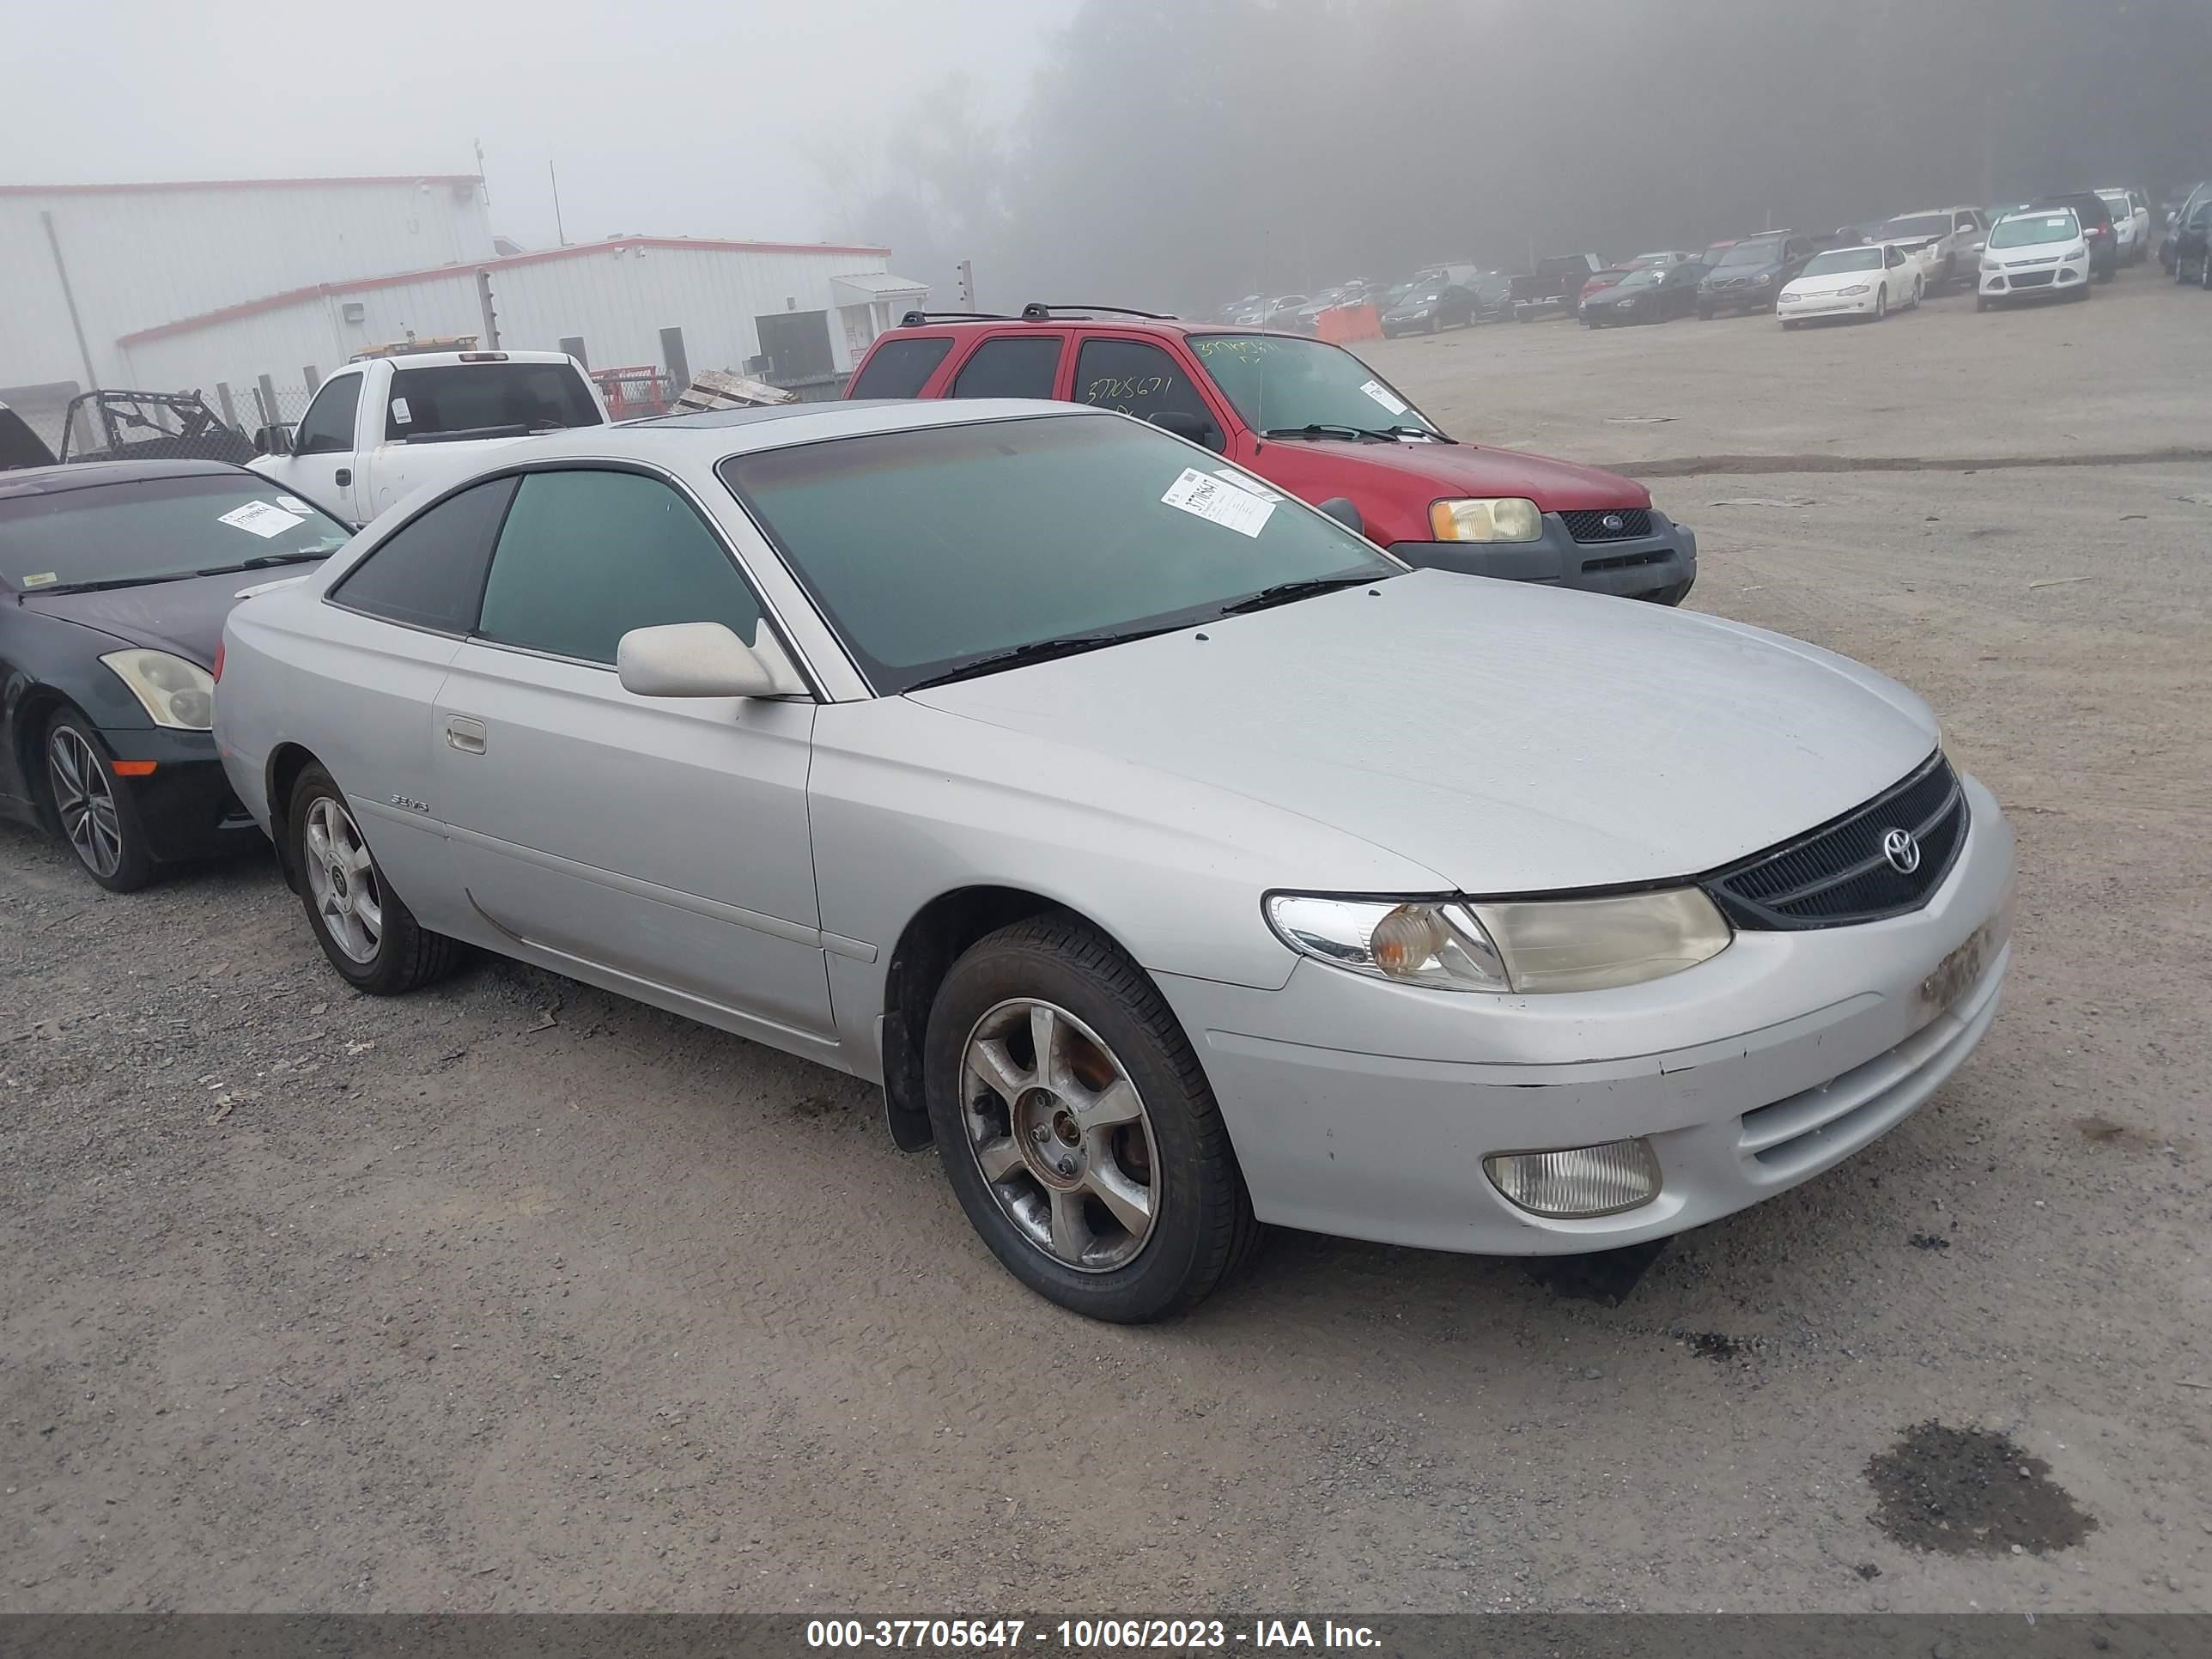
column 703, row 118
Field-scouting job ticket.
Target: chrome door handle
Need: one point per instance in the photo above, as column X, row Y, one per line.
column 465, row 733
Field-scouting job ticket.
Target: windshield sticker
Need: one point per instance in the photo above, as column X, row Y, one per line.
column 293, row 504
column 44, row 579
column 400, row 411
column 1219, row 503
column 1243, row 483
column 1382, row 395
column 261, row 518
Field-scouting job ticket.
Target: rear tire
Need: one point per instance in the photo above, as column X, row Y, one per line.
column 1112, row 1129
column 365, row 928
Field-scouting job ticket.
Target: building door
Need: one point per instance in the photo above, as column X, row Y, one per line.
column 796, row 345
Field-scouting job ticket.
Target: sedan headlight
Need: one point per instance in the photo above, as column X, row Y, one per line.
column 1508, row 519
column 1527, row 946
column 175, row 693
column 1853, row 291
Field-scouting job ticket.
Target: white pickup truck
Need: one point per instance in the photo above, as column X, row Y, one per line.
column 386, row 425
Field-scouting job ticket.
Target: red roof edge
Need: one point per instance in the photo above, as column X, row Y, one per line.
column 329, row 290
column 237, row 184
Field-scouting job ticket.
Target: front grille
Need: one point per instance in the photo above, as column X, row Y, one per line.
column 2033, row 278
column 1839, row 874
column 1591, row 526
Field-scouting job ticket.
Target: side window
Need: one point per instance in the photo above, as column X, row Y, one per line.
column 587, row 555
column 1137, row 378
column 327, row 427
column 1896, row 257
column 1010, row 365
column 900, row 368
column 430, row 572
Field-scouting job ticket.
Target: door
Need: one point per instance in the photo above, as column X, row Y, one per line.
column 1144, row 379
column 324, row 448
column 661, row 839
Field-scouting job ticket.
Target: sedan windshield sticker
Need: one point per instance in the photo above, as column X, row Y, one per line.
column 293, row 504
column 44, row 579
column 1253, row 485
column 1220, row 503
column 400, row 413
column 1382, row 395
column 261, row 518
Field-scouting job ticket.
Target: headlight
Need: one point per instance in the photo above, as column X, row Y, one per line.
column 2079, row 250
column 1761, row 281
column 1509, row 519
column 1990, row 267
column 1789, row 299
column 1854, row 290
column 175, row 693
column 1528, row 946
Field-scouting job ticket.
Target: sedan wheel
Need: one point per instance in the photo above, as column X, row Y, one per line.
column 365, row 929
column 1060, row 1135
column 1880, row 302
column 1077, row 1127
column 96, row 818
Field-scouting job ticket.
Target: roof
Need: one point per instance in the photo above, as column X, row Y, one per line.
column 366, row 284
column 1173, row 327
column 87, row 475
column 707, row 435
column 880, row 282
column 167, row 185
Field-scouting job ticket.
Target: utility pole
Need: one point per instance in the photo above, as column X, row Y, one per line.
column 490, row 313
column 967, row 270
column 560, row 235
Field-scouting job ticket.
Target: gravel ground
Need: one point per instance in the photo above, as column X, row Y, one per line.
column 513, row 1295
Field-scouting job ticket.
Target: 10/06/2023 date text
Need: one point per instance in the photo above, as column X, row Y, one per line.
column 1084, row 1635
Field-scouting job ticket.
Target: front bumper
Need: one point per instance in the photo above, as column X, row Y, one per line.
column 1637, row 569
column 1393, row 326
column 1826, row 305
column 185, row 802
column 2037, row 282
column 1714, row 300
column 1366, row 1109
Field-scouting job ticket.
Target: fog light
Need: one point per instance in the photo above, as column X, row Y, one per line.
column 1579, row 1182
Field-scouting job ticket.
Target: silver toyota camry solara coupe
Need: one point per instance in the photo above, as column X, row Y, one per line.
column 1175, row 859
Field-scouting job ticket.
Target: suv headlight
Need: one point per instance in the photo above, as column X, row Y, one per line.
column 1506, row 519
column 1761, row 280
column 1522, row 945
column 177, row 694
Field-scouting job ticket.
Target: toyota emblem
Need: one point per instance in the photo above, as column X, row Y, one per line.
column 1902, row 851
column 1614, row 521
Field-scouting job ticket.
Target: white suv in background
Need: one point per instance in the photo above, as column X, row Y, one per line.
column 2131, row 223
column 1947, row 240
column 2032, row 254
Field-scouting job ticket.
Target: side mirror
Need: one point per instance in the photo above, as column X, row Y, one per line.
column 272, row 440
column 702, row 659
column 1339, row 507
column 1192, row 429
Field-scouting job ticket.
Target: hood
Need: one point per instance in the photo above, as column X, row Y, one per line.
column 184, row 617
column 1512, row 739
column 1832, row 283
column 1733, row 275
column 1436, row 471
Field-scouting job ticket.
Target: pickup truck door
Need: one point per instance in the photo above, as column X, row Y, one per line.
column 324, row 460
column 661, row 841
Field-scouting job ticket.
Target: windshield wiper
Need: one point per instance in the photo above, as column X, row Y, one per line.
column 1285, row 593
column 102, row 587
column 1334, row 430
column 1036, row 651
column 262, row 560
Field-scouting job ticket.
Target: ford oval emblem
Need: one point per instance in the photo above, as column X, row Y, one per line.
column 1614, row 522
column 1902, row 851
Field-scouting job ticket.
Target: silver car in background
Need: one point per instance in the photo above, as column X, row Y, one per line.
column 1176, row 861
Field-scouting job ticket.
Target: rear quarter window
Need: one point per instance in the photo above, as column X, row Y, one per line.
column 899, row 368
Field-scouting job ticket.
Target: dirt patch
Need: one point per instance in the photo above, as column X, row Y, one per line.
column 1690, row 466
column 1928, row 1242
column 1720, row 1348
column 2101, row 1131
column 1971, row 1491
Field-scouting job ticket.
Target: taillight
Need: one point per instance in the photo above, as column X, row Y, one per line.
column 218, row 662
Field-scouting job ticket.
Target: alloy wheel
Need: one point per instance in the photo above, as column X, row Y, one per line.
column 1061, row 1134
column 84, row 801
column 342, row 876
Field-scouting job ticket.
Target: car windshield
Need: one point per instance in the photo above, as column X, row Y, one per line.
column 2117, row 201
column 932, row 549
column 2025, row 230
column 1426, row 297
column 1917, row 224
column 1278, row 385
column 1648, row 278
column 151, row 530
column 446, row 398
column 1842, row 259
column 1751, row 253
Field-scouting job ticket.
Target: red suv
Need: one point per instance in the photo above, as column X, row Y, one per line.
column 1311, row 419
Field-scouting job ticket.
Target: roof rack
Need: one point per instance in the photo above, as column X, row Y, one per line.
column 923, row 319
column 1037, row 312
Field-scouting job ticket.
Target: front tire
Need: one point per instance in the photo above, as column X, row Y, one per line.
column 97, row 818
column 1076, row 1127
column 365, row 928
column 1882, row 302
